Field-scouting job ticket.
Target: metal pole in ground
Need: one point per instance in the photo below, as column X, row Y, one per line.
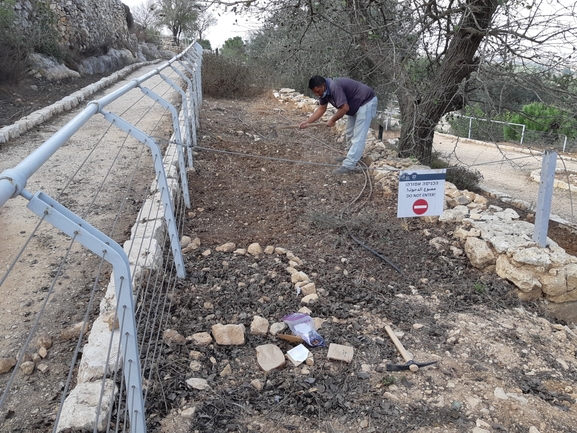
column 544, row 198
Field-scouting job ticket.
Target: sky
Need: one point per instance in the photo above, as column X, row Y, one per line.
column 228, row 26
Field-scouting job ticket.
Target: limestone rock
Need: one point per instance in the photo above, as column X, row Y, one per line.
column 80, row 407
column 254, row 249
column 310, row 299
column 523, row 278
column 193, row 245
column 277, row 327
column 308, row 289
column 259, row 326
column 479, row 253
column 27, row 367
column 6, row 364
column 200, row 339
column 340, row 352
column 44, row 340
column 73, row 331
column 228, row 335
column 299, row 276
column 257, row 384
column 170, row 336
column 269, row 357
column 227, row 247
column 198, row 383
column 226, row 371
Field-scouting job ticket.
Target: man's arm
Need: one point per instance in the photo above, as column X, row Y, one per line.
column 339, row 114
column 315, row 116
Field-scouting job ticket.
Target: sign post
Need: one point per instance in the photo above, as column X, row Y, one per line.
column 421, row 193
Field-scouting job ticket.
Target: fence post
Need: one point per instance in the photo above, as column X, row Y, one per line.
column 545, row 196
column 162, row 182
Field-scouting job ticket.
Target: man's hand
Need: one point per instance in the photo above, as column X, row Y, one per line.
column 331, row 123
column 304, row 125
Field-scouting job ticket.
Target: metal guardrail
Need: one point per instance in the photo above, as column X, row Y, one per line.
column 123, row 351
column 488, row 129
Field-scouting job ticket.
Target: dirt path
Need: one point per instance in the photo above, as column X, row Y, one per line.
column 503, row 366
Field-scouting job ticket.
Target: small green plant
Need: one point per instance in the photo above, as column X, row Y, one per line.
column 479, row 288
column 464, row 178
column 389, row 380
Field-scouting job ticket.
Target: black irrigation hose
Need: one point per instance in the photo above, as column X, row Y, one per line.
column 376, row 253
column 368, row 182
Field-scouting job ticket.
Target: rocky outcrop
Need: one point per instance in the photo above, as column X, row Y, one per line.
column 85, row 27
column 495, row 240
column 95, row 33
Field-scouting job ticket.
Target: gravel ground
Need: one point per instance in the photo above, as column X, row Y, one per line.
column 503, row 365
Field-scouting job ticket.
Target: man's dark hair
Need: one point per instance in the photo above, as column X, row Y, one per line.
column 316, row 81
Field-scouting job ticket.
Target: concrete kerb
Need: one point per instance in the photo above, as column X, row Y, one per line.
column 37, row 117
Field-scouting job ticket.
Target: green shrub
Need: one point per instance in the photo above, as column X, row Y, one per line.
column 227, row 77
column 152, row 36
column 17, row 43
column 464, row 178
column 14, row 49
column 43, row 34
column 460, row 176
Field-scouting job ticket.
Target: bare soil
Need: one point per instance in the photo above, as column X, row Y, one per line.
column 503, row 366
column 30, row 94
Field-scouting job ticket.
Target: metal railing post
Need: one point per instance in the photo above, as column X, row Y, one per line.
column 544, row 198
column 162, row 182
column 103, row 246
column 176, row 126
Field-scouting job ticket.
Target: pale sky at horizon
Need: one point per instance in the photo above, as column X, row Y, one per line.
column 228, row 26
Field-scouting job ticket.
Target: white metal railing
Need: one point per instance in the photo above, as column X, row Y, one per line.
column 120, row 323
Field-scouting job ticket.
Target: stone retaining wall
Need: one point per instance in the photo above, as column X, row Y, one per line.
column 86, row 27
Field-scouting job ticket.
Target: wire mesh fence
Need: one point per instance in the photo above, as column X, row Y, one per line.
column 86, row 284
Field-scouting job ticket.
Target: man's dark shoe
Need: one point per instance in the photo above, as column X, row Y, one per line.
column 339, row 158
column 343, row 170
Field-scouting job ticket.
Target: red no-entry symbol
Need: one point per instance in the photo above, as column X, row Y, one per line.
column 420, row 206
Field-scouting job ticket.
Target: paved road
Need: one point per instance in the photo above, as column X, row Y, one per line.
column 507, row 169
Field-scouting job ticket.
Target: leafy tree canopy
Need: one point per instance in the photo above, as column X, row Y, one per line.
column 233, row 47
column 432, row 56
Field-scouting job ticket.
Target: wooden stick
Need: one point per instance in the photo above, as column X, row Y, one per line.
column 404, row 353
column 291, row 338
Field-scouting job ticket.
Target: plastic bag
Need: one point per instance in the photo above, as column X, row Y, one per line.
column 302, row 325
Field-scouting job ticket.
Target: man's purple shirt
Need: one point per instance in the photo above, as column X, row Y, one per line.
column 346, row 90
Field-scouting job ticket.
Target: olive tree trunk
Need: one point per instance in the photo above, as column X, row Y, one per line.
column 420, row 113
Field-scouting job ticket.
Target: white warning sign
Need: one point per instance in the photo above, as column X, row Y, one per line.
column 421, row 193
